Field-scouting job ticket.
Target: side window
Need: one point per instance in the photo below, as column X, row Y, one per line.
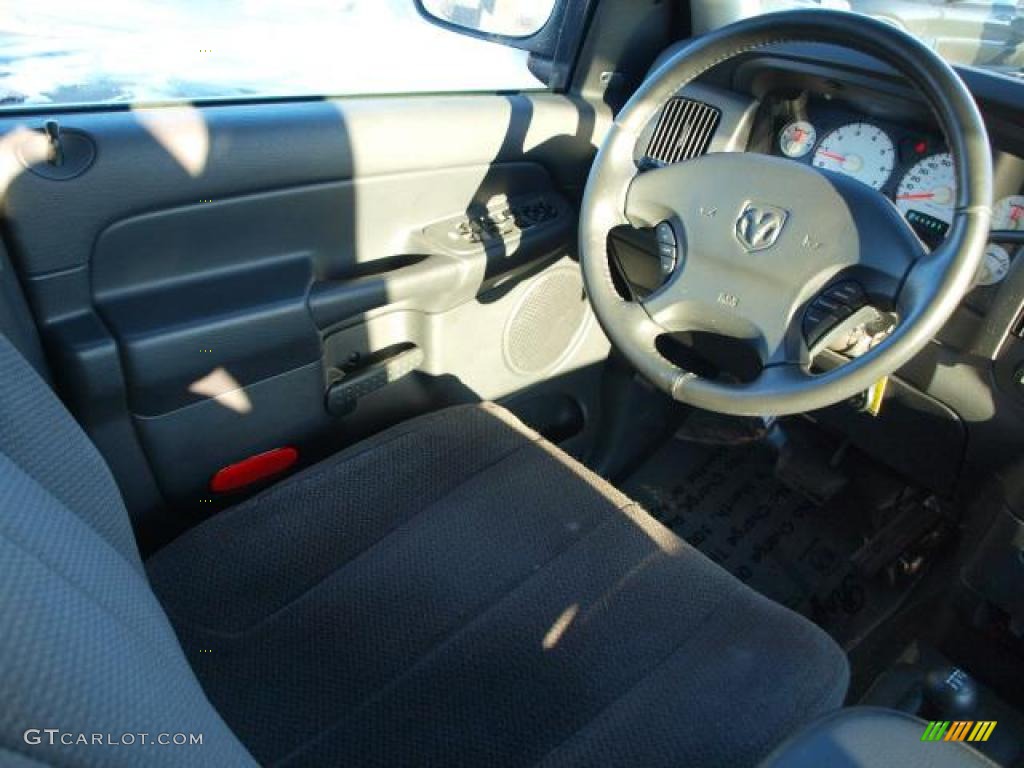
column 59, row 52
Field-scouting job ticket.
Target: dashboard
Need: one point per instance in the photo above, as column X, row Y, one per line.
column 957, row 410
column 846, row 113
column 907, row 163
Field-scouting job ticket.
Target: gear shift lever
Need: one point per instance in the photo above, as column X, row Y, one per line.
column 949, row 694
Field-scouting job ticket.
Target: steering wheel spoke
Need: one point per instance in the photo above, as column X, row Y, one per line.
column 648, row 199
column 685, row 305
column 928, row 280
column 671, row 312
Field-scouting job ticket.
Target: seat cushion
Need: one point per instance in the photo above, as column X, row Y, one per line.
column 85, row 648
column 458, row 591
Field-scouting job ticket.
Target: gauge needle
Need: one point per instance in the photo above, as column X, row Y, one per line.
column 917, row 196
column 832, row 155
column 1017, row 213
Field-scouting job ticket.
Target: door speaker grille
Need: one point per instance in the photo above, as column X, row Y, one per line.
column 542, row 330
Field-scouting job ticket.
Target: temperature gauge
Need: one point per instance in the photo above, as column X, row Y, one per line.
column 1008, row 213
column 994, row 267
column 797, row 139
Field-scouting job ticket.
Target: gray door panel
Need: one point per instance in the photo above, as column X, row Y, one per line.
column 216, row 272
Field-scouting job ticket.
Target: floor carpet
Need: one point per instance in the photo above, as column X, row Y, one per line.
column 727, row 502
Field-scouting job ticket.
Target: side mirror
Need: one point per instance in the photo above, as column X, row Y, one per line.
column 515, row 19
column 548, row 30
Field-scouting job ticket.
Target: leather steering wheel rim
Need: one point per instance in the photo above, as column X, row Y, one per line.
column 930, row 288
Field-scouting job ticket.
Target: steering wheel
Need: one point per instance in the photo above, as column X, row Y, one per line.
column 765, row 237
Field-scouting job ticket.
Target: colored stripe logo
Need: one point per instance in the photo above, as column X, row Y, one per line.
column 959, row 730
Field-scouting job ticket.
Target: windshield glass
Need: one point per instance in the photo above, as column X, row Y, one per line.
column 980, row 33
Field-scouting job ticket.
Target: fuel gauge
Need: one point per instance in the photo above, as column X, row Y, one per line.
column 994, row 267
column 797, row 138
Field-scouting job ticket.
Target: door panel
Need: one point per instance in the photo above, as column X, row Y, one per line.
column 232, row 278
column 226, row 280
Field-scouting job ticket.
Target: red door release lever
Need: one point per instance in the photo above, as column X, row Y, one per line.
column 253, row 470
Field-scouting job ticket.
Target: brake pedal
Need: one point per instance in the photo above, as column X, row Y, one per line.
column 808, row 463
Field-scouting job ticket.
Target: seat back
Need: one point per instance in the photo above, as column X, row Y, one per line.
column 88, row 660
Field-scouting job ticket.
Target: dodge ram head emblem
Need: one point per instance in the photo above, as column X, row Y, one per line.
column 759, row 226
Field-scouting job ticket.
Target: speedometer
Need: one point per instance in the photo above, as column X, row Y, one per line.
column 860, row 150
column 926, row 194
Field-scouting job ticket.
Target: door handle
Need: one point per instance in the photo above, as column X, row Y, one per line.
column 343, row 394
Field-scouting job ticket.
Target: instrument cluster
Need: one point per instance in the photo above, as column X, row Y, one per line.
column 911, row 167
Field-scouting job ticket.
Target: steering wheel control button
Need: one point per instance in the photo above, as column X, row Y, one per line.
column 668, row 251
column 848, row 293
column 833, row 306
column 668, row 257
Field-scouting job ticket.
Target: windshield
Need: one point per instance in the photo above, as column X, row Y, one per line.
column 980, row 33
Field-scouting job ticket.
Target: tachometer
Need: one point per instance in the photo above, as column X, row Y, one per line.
column 860, row 150
column 1008, row 213
column 797, row 138
column 926, row 194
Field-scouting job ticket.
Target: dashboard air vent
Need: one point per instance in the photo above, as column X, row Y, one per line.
column 684, row 131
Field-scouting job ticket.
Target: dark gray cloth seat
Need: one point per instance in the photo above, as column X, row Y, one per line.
column 453, row 591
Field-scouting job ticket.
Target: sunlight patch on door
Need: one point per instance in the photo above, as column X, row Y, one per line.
column 224, row 388
column 183, row 134
column 19, row 149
